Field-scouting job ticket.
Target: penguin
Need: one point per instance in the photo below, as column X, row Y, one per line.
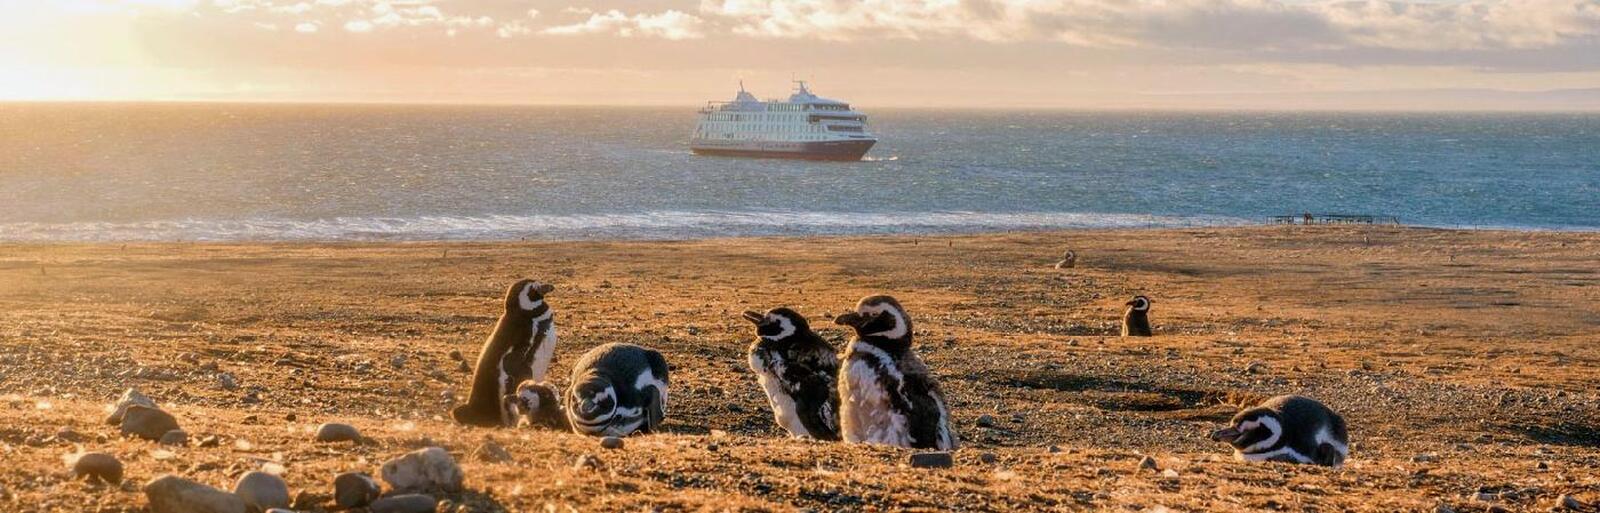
column 886, row 394
column 534, row 404
column 1136, row 321
column 799, row 371
column 617, row 389
column 1287, row 428
column 1068, row 260
column 520, row 348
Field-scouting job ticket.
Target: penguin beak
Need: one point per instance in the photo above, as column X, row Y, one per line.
column 851, row 319
column 545, row 288
column 753, row 316
column 1130, row 303
column 1226, row 435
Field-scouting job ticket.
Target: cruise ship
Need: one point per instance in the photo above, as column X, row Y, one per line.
column 806, row 126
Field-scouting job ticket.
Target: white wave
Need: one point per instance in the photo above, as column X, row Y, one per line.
column 644, row 225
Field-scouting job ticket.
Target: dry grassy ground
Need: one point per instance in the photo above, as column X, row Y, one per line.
column 1477, row 351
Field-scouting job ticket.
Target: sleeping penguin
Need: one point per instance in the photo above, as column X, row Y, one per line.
column 617, row 389
column 1287, row 428
column 1136, row 321
column 886, row 394
column 520, row 348
column 799, row 371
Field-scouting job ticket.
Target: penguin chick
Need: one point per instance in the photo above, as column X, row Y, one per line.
column 535, row 404
column 1136, row 320
column 886, row 394
column 617, row 389
column 1287, row 428
column 799, row 371
column 520, row 348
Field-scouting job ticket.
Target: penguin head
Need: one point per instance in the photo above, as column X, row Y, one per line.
column 1257, row 428
column 594, row 400
column 777, row 324
column 538, row 403
column 526, row 295
column 878, row 317
column 1139, row 304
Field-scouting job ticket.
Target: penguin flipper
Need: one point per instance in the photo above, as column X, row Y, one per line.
column 655, row 408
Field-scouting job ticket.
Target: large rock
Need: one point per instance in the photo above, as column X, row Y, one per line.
column 262, row 491
column 335, row 432
column 424, row 470
column 406, row 503
column 98, row 465
column 147, row 423
column 355, row 489
column 173, row 494
column 129, row 397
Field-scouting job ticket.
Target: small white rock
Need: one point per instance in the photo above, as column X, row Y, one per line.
column 424, row 470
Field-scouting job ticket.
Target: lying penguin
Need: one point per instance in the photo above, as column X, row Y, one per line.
column 799, row 371
column 1287, row 428
column 520, row 348
column 617, row 389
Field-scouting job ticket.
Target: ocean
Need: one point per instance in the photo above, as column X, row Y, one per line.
column 199, row 172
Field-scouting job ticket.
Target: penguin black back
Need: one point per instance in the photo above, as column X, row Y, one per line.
column 1287, row 428
column 618, row 389
column 1136, row 320
column 799, row 372
column 520, row 348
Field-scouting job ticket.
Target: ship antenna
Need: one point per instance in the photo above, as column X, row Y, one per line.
column 741, row 85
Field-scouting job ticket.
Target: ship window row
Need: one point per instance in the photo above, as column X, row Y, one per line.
column 763, row 137
column 780, row 127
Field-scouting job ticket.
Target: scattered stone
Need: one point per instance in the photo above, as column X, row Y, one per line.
column 463, row 366
column 931, row 460
column 1425, row 458
column 398, row 362
column 308, row 500
column 1570, row 502
column 279, row 510
column 189, row 358
column 406, row 503
column 210, row 441
column 251, row 397
column 1443, row 508
column 291, row 417
column 261, row 491
column 173, row 494
column 1169, row 474
column 1543, row 465
column 227, row 381
column 98, row 466
column 174, row 437
column 456, row 355
column 587, row 461
column 355, row 489
column 425, row 469
column 336, row 432
column 1147, row 463
column 67, row 434
column 1018, row 418
column 986, row 420
column 129, row 397
column 491, row 452
column 988, row 457
column 1256, row 368
column 147, row 422
column 611, row 442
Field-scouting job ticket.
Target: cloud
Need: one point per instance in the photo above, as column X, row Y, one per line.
column 358, row 26
column 307, row 27
column 671, row 24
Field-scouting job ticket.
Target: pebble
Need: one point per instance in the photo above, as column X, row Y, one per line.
column 587, row 461
column 406, row 503
column 147, row 422
column 261, row 491
column 98, row 465
column 173, row 494
column 1425, row 458
column 398, row 362
column 336, row 432
column 129, row 397
column 425, row 469
column 1169, row 474
column 279, row 510
column 1054, row 449
column 355, row 489
column 290, row 417
column 67, row 434
column 1442, row 508
column 1147, row 463
column 1542, row 466
column 227, row 381
column 988, row 457
column 986, row 420
column 462, row 366
column 174, row 437
column 456, row 355
column 491, row 452
column 931, row 460
column 611, row 442
column 1256, row 368
column 1570, row 502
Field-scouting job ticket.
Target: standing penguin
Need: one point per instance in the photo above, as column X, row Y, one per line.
column 519, row 349
column 536, row 404
column 799, row 371
column 1136, row 321
column 1068, row 260
column 1287, row 428
column 618, row 389
column 886, row 394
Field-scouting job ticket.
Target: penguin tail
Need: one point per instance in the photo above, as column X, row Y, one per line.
column 465, row 414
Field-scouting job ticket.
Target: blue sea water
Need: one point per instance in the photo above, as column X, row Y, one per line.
column 343, row 172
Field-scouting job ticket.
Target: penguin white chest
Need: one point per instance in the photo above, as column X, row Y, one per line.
column 544, row 354
column 867, row 414
column 783, row 408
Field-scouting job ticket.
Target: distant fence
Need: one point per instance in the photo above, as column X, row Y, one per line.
column 1333, row 219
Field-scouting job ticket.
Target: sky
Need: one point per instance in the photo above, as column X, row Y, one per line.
column 889, row 53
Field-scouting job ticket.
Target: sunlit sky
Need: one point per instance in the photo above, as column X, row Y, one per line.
column 955, row 53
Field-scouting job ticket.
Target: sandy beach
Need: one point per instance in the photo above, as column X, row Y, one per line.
column 1464, row 361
